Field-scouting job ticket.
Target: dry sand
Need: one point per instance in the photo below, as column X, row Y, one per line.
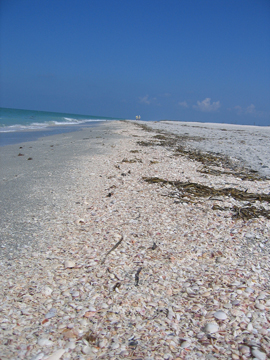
column 99, row 264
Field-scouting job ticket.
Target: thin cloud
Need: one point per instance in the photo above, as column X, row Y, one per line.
column 183, row 104
column 206, row 106
column 238, row 110
column 249, row 110
column 145, row 100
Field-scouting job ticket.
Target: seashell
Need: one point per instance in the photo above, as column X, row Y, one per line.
column 51, row 313
column 103, row 343
column 237, row 312
column 211, row 328
column 259, row 306
column 56, row 355
column 47, row 291
column 220, row 315
column 245, row 350
column 86, row 350
column 69, row 264
column 44, row 342
column 258, row 354
column 39, row 356
column 262, row 296
column 220, row 259
column 185, row 344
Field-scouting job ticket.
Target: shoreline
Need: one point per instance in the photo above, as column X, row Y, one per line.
column 124, row 268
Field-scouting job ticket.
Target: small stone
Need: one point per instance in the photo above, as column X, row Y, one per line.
column 220, row 259
column 56, row 355
column 258, row 354
column 249, row 290
column 69, row 264
column 44, row 342
column 250, row 327
column 211, row 328
column 47, row 291
column 220, row 315
column 228, row 305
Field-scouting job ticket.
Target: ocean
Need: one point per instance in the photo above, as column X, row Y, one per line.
column 18, row 125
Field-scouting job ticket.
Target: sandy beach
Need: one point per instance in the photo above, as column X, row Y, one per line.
column 128, row 241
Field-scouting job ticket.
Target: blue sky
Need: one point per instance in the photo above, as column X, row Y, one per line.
column 189, row 60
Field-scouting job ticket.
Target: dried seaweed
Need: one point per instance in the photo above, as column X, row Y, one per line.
column 199, row 190
column 245, row 212
column 194, row 190
column 177, row 144
column 131, row 160
column 113, row 248
column 250, row 175
column 137, row 276
column 249, row 212
column 146, row 143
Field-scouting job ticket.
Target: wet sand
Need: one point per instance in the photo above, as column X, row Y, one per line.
column 39, row 179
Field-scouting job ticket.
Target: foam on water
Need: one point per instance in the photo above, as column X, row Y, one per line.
column 12, row 120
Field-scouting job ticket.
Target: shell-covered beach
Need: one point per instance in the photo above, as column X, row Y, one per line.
column 124, row 242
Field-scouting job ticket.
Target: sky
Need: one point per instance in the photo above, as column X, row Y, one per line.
column 188, row 60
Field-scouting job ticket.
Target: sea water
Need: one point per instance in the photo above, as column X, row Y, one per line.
column 18, row 125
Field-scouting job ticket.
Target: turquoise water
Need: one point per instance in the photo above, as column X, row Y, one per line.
column 20, row 120
column 18, row 125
